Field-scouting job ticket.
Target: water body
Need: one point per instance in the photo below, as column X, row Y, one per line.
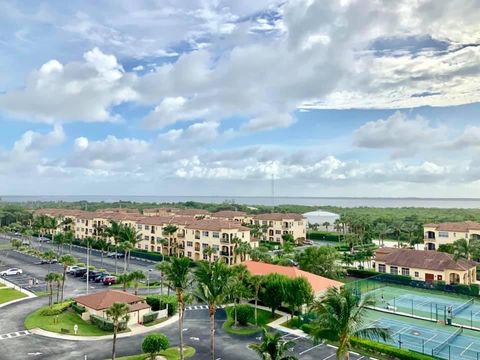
column 313, row 201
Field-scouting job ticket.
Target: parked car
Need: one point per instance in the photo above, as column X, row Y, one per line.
column 43, row 239
column 109, row 280
column 44, row 261
column 25, row 243
column 71, row 269
column 308, row 242
column 115, row 254
column 99, row 278
column 91, row 275
column 79, row 272
column 12, row 271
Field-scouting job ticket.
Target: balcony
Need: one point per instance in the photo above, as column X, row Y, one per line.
column 224, row 253
column 225, row 240
column 181, row 235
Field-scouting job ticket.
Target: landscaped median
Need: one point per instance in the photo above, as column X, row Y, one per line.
column 9, row 294
column 169, row 354
column 246, row 320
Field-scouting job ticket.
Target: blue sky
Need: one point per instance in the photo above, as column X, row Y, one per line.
column 340, row 98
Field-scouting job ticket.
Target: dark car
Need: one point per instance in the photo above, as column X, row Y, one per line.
column 99, row 278
column 109, row 280
column 44, row 261
column 91, row 275
column 80, row 272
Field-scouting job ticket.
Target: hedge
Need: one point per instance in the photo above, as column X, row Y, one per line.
column 149, row 255
column 55, row 309
column 106, row 324
column 149, row 317
column 323, row 235
column 389, row 350
column 244, row 314
column 160, row 302
column 78, row 308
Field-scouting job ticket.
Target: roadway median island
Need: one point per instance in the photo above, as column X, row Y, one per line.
column 8, row 294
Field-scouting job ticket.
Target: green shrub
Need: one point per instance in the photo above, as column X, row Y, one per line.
column 245, row 314
column 306, row 328
column 160, row 302
column 323, row 235
column 56, row 309
column 362, row 274
column 149, row 255
column 389, row 350
column 78, row 308
column 106, row 324
column 149, row 317
column 154, row 343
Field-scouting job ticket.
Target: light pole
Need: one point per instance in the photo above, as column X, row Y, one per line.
column 88, row 263
column 148, row 280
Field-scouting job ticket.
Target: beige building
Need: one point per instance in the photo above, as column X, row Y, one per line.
column 425, row 265
column 98, row 303
column 224, row 236
column 446, row 233
column 275, row 225
column 196, row 213
column 239, row 216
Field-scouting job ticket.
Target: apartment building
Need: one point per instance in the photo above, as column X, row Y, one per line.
column 222, row 235
column 426, row 266
column 196, row 213
column 446, row 233
column 275, row 225
column 239, row 216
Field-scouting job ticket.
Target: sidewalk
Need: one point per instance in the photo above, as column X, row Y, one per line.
column 8, row 284
column 277, row 324
column 134, row 330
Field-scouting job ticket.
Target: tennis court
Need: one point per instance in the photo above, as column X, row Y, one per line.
column 448, row 343
column 425, row 304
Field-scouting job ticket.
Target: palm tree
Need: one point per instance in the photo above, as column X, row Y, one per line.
column 273, row 347
column 463, row 248
column 113, row 231
column 177, row 273
column 381, row 230
column 135, row 277
column 327, row 225
column 212, row 280
column 170, row 230
column 128, row 237
column 49, row 279
column 341, row 316
column 256, row 283
column 58, row 279
column 49, row 256
column 69, row 238
column 209, row 251
column 53, row 225
column 66, row 260
column 125, row 280
column 162, row 242
column 242, row 250
column 117, row 312
column 103, row 246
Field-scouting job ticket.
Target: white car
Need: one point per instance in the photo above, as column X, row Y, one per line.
column 12, row 271
column 71, row 269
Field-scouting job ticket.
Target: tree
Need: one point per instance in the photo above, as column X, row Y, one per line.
column 447, row 248
column 339, row 318
column 273, row 347
column 128, row 238
column 117, row 312
column 103, row 246
column 49, row 255
column 16, row 244
column 49, row 279
column 321, row 260
column 209, row 251
column 169, row 230
column 58, row 279
column 237, row 289
column 273, row 290
column 154, row 343
column 135, row 277
column 53, row 225
column 113, row 231
column 242, row 249
column 125, row 280
column 288, row 243
column 212, row 280
column 298, row 293
column 256, row 282
column 463, row 248
column 381, row 230
column 66, row 260
column 177, row 273
column 327, row 225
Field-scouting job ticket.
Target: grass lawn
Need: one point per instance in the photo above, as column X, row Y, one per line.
column 170, row 354
column 263, row 318
column 158, row 321
column 66, row 320
column 10, row 294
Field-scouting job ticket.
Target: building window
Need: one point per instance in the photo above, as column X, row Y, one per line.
column 216, row 234
column 146, row 237
column 205, row 257
column 381, row 268
column 159, row 238
column 146, row 247
column 147, row 227
column 204, row 246
column 189, row 253
column 405, row 271
column 417, row 274
column 204, row 233
column 439, row 277
column 139, row 227
column 278, row 232
column 159, row 249
column 215, row 258
column 393, row 270
column 189, row 243
column 443, row 234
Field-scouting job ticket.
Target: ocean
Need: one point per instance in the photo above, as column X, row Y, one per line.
column 247, row 200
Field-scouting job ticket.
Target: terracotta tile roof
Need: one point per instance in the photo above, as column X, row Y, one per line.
column 464, row 226
column 319, row 283
column 420, row 259
column 177, row 211
column 216, row 225
column 279, row 216
column 229, row 214
column 138, row 306
column 105, row 299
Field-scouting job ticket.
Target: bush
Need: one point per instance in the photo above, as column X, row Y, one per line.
column 362, row 274
column 78, row 308
column 306, row 328
column 55, row 309
column 323, row 235
column 149, row 317
column 245, row 314
column 106, row 324
column 148, row 255
column 160, row 302
column 379, row 348
column 154, row 343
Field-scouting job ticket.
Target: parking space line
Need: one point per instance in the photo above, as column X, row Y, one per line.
column 329, row 356
column 313, row 347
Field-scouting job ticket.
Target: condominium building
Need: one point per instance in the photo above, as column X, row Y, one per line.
column 196, row 213
column 275, row 225
column 447, row 233
column 239, row 216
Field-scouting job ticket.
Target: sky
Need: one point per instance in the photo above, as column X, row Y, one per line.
column 185, row 97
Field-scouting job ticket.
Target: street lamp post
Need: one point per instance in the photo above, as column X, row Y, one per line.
column 148, row 280
column 88, row 263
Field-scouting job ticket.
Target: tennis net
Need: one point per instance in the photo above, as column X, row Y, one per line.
column 438, row 349
column 462, row 307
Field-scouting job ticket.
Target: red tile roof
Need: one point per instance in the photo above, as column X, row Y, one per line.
column 216, row 225
column 229, row 214
column 464, row 226
column 105, row 299
column 319, row 283
column 420, row 259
